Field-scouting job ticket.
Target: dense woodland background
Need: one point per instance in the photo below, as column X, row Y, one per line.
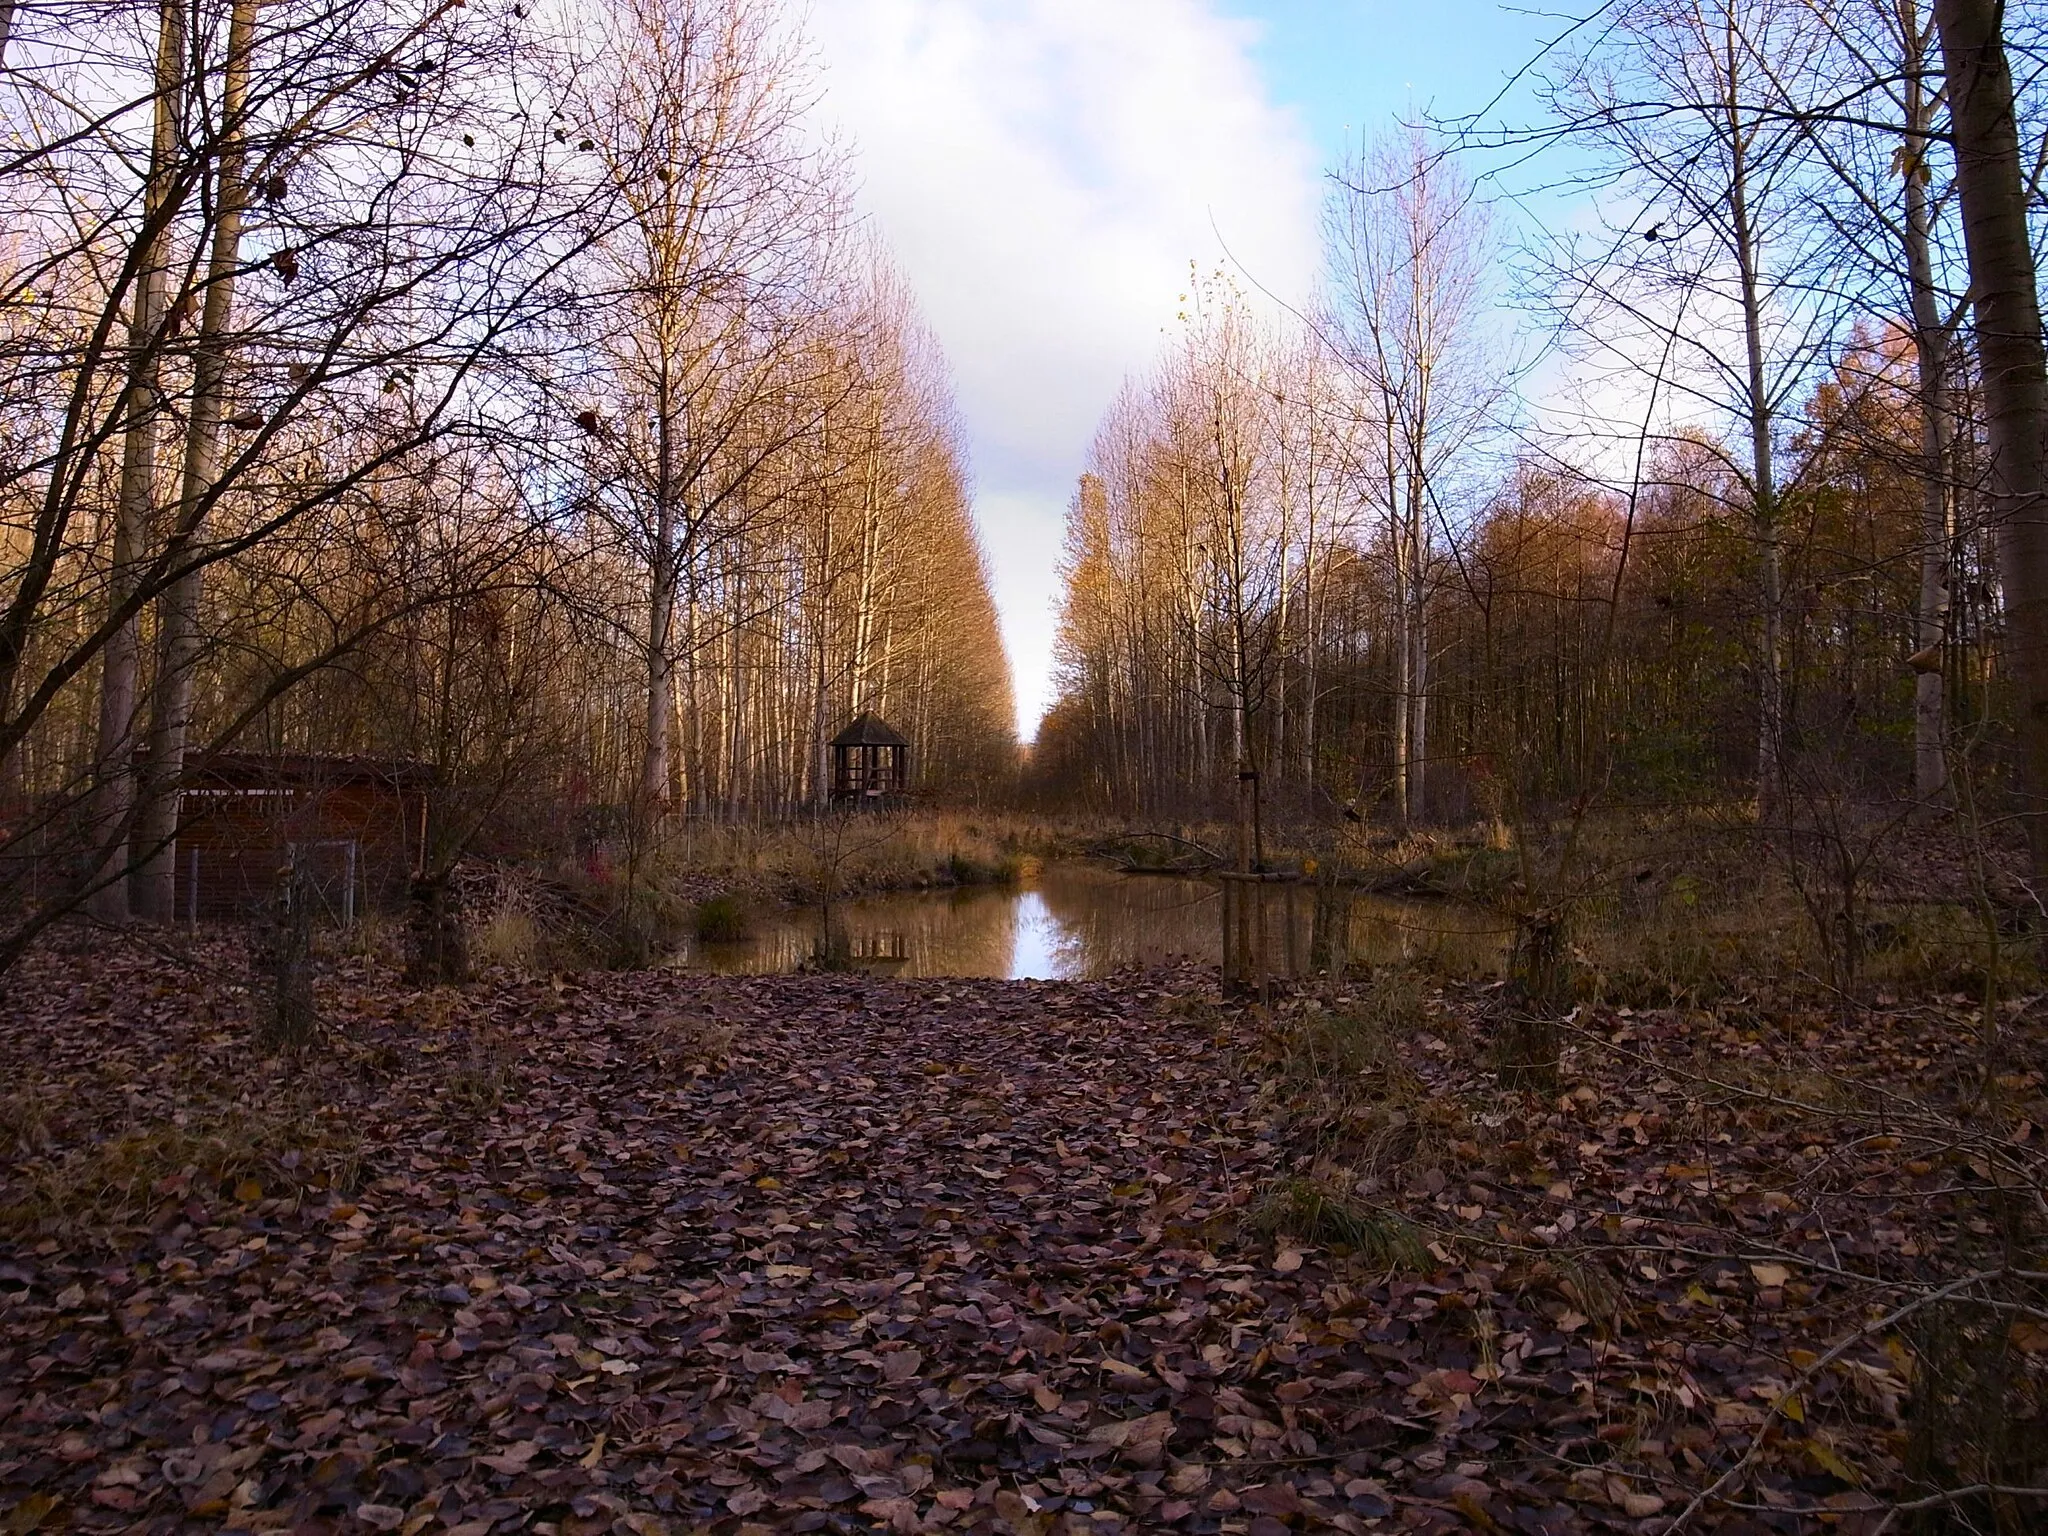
column 1745, row 552
column 515, row 393
column 1632, row 624
column 511, row 393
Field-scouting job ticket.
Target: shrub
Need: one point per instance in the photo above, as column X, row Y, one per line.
column 964, row 869
column 722, row 920
column 1976, row 1416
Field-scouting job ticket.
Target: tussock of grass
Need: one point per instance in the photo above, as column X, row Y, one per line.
column 722, row 920
column 1571, row 1284
column 480, row 1081
column 688, row 1045
column 1347, row 1050
column 1304, row 1209
column 1345, row 1092
column 965, row 869
column 375, row 934
column 24, row 1125
column 510, row 939
column 1358, row 1034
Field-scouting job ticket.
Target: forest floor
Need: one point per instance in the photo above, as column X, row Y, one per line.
column 650, row 1252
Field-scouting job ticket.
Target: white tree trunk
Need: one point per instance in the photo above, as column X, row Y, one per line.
column 113, row 803
column 178, row 611
column 1930, row 343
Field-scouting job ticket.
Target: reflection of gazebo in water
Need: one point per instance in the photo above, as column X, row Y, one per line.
column 870, row 763
column 884, row 952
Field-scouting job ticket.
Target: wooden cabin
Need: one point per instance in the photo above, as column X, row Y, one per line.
column 353, row 824
column 870, row 764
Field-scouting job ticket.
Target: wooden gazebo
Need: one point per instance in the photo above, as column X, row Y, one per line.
column 870, row 763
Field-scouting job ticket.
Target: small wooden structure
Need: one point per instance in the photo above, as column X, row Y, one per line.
column 352, row 825
column 870, row 763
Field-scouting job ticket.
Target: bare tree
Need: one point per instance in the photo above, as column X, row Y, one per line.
column 1712, row 257
column 715, row 272
column 1933, row 319
column 1406, row 247
column 1221, row 422
column 408, row 236
column 178, row 621
column 1867, row 105
column 141, row 425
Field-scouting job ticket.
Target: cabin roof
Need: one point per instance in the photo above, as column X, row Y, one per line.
column 308, row 770
column 868, row 731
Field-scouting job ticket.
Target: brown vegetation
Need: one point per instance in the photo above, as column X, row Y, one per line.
column 512, row 401
column 595, row 464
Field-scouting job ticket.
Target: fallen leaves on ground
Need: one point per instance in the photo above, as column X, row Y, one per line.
column 649, row 1252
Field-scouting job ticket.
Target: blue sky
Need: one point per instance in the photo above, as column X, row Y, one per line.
column 1044, row 172
column 1352, row 65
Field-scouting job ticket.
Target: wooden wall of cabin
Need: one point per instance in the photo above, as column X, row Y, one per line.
column 234, row 841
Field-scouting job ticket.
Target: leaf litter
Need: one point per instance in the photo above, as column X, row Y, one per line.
column 646, row 1252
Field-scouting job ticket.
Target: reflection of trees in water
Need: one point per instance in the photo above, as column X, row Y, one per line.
column 1143, row 919
column 969, row 933
column 1061, row 948
column 835, row 948
column 779, row 945
column 1100, row 921
column 879, row 948
column 1109, row 920
column 925, row 934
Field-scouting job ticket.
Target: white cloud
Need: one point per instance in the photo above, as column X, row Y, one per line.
column 1044, row 171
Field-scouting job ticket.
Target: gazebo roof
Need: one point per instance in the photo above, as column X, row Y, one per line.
column 311, row 770
column 868, row 731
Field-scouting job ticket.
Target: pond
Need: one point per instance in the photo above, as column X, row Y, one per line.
column 1075, row 921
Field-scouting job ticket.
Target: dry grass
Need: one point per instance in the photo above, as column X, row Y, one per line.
column 1686, row 940
column 793, row 861
column 1694, row 912
column 24, row 1124
column 509, row 938
column 1310, row 1211
column 1438, row 938
column 1354, row 1110
column 247, row 1151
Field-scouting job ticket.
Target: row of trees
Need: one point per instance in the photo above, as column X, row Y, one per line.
column 1749, row 533
column 506, row 389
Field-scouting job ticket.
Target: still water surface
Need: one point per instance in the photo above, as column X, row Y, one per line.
column 1076, row 921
